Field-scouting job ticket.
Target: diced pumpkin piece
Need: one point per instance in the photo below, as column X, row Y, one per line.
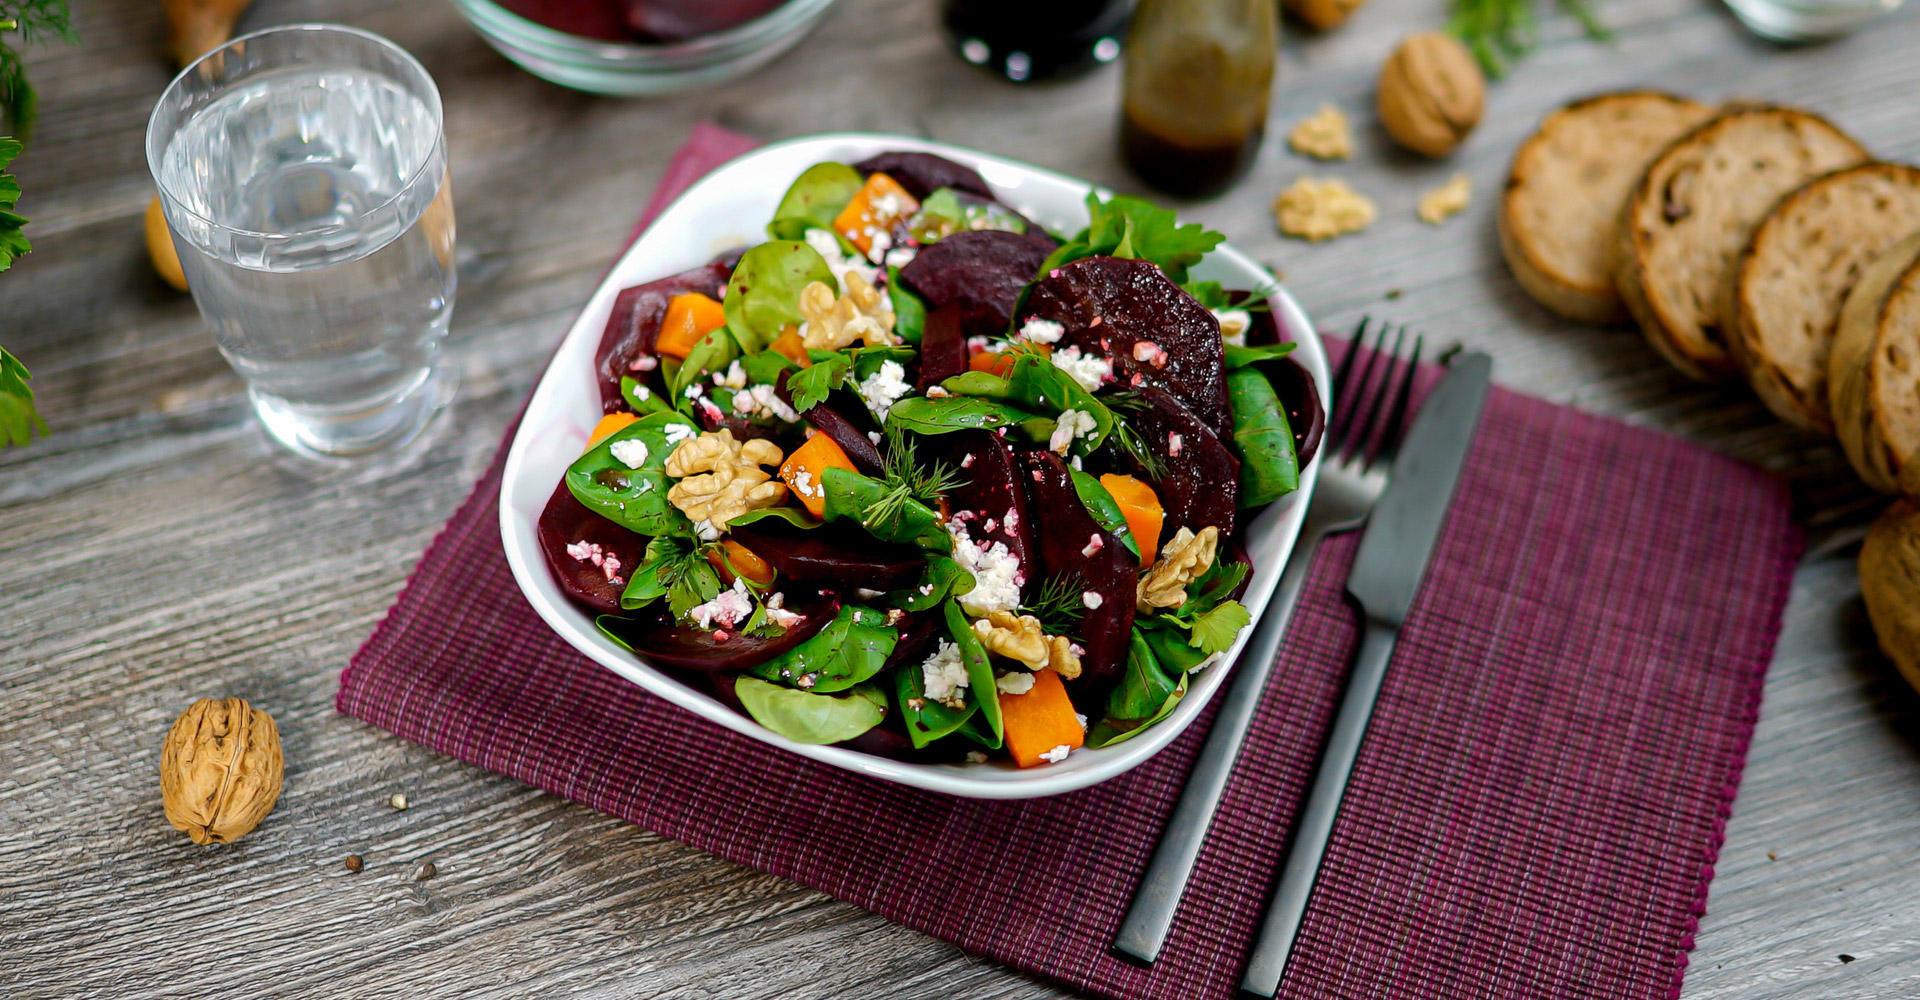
column 1141, row 507
column 689, row 318
column 788, row 345
column 1040, row 721
column 806, row 471
column 1000, row 364
column 731, row 557
column 880, row 205
column 608, row 426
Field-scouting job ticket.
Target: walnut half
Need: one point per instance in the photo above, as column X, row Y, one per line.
column 833, row 323
column 721, row 479
column 1185, row 558
column 1020, row 637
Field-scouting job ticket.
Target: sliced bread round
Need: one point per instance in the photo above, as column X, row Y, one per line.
column 1796, row 271
column 1564, row 192
column 1873, row 374
column 1687, row 218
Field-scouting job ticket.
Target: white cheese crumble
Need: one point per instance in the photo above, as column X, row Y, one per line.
column 1094, row 544
column 1042, row 331
column 735, row 377
column 727, row 607
column 1234, row 324
column 778, row 614
column 873, row 436
column 804, row 485
column 995, row 569
column 976, row 757
column 1174, row 443
column 632, row 452
column 1208, row 662
column 763, row 400
column 1014, row 682
column 883, row 388
column 1083, row 721
column 1072, row 424
column 944, row 675
column 1057, row 754
column 1089, row 371
column 678, row 432
column 901, row 256
column 705, row 529
column 1092, row 599
column 1150, row 352
column 644, row 363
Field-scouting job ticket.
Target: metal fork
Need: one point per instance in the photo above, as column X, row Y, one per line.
column 1370, row 398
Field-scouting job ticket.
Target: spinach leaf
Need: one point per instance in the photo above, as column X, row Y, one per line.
column 804, row 717
column 809, row 386
column 867, row 360
column 1038, row 385
column 641, row 399
column 983, row 384
column 851, row 649
column 946, row 212
column 979, row 671
column 764, row 368
column 763, row 296
column 1268, row 469
column 1105, row 733
column 634, row 498
column 931, row 720
column 1168, row 640
column 675, row 568
column 922, row 415
column 1146, row 695
column 713, row 353
column 1104, row 508
column 854, row 497
column 1241, row 357
column 792, row 515
column 909, row 309
column 816, row 198
column 940, row 579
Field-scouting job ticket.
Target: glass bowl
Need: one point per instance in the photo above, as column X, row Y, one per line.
column 631, row 69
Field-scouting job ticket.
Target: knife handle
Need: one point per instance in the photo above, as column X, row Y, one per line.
column 1274, row 946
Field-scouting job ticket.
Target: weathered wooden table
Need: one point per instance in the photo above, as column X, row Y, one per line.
column 155, row 549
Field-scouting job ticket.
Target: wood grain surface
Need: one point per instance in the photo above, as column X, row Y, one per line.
column 156, row 549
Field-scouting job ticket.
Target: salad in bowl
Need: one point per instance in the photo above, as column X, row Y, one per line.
column 918, row 478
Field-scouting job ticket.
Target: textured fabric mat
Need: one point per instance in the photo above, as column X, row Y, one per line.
column 1536, row 812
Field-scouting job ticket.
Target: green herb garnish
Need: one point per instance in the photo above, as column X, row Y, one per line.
column 36, row 21
column 1500, row 32
column 905, row 480
column 1058, row 604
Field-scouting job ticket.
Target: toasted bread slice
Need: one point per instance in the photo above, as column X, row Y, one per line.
column 1687, row 218
column 1796, row 271
column 1873, row 374
column 1565, row 189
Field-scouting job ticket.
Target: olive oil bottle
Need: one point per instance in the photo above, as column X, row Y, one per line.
column 1197, row 76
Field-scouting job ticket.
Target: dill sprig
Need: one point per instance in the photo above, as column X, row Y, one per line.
column 1500, row 32
column 1125, row 403
column 906, row 480
column 1058, row 604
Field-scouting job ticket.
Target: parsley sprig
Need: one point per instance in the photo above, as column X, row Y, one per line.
column 1499, row 32
column 1123, row 226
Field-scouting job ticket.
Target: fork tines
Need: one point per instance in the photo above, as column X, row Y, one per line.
column 1372, row 388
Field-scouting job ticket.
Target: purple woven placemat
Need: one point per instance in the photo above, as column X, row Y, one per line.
column 1535, row 814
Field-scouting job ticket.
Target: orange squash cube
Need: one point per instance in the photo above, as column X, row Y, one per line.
column 805, row 471
column 788, row 345
column 1143, row 512
column 880, row 205
column 1040, row 721
column 731, row 557
column 608, row 426
column 689, row 318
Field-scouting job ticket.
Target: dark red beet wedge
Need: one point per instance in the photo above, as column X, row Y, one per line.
column 1110, row 569
column 832, row 553
column 567, row 521
column 943, row 346
column 1300, row 397
column 982, row 271
column 1202, row 482
column 635, row 323
column 653, row 634
column 990, row 499
column 1112, row 306
column 850, row 435
column 924, row 173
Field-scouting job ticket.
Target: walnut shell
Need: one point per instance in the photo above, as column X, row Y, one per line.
column 1322, row 15
column 1890, row 582
column 220, row 770
column 1431, row 93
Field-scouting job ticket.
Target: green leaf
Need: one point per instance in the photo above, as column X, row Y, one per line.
column 1124, row 226
column 980, row 679
column 1215, row 631
column 635, row 499
column 764, row 368
column 851, row 649
column 713, row 353
column 816, row 198
column 675, row 568
column 922, row 415
column 1145, row 695
column 1039, row 386
column 986, row 385
column 947, row 211
column 1262, row 439
column 809, row 386
column 13, row 242
column 940, row 579
column 854, row 497
column 805, row 717
column 1104, row 508
column 795, row 516
column 1106, row 734
column 763, row 295
column 1168, row 640
column 18, row 418
column 1242, row 357
column 930, row 720
column 641, row 399
column 909, row 309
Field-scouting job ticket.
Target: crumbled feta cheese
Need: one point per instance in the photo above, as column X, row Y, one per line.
column 937, row 392
column 976, row 757
column 1072, row 424
column 1174, row 443
column 1094, row 544
column 996, row 573
column 1092, row 599
column 735, row 377
column 877, row 246
column 728, row 607
column 1234, row 324
column 966, row 461
column 944, row 675
column 1208, row 662
column 1083, row 721
column 1014, row 682
column 888, row 206
column 763, row 400
column 1013, row 519
column 901, row 256
column 1057, row 754
column 632, row 452
column 583, row 551
column 873, row 436
column 883, row 388
column 804, row 485
column 694, row 391
column 705, row 529
column 866, row 594
column 1149, row 352
column 642, row 393
column 1087, row 370
column 644, row 363
column 678, row 432
column 1041, row 331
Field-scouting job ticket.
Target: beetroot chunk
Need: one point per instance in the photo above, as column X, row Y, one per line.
column 943, row 346
column 652, row 633
column 989, row 499
column 827, row 419
column 595, row 586
column 1202, row 482
column 980, row 270
column 924, row 173
column 1152, row 331
column 1068, row 549
column 832, row 554
column 635, row 325
column 1300, row 398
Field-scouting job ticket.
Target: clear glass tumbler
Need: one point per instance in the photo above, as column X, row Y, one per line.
column 303, row 172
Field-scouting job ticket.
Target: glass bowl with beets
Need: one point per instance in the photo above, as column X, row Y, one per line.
column 641, row 47
column 919, row 478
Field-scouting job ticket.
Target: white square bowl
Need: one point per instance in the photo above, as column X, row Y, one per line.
column 729, row 209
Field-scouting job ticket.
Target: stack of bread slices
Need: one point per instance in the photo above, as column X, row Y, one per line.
column 1749, row 242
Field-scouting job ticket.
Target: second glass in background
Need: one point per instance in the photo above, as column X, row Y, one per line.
column 304, row 177
column 1197, row 77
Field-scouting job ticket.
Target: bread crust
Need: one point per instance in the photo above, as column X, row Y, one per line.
column 1873, row 221
column 1588, row 298
column 1854, row 382
column 1680, row 313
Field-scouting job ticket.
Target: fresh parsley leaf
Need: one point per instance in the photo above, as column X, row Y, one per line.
column 18, row 419
column 1123, row 226
column 675, row 568
column 809, row 386
column 1214, row 631
column 13, row 242
column 36, row 21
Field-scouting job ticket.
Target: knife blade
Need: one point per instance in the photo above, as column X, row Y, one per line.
column 1394, row 551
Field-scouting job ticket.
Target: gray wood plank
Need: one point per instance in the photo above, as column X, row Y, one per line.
column 156, row 549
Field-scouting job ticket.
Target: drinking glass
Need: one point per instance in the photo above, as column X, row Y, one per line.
column 303, row 172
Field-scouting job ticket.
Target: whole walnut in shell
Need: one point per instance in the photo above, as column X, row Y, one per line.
column 220, row 770
column 1431, row 93
column 1890, row 582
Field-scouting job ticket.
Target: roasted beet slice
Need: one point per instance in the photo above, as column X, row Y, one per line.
column 1128, row 311
column 828, row 419
column 943, row 346
column 1202, row 482
column 1066, row 548
column 981, row 270
column 635, row 323
column 653, row 634
column 1300, row 396
column 989, row 499
column 596, row 586
column 833, row 554
column 924, row 173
